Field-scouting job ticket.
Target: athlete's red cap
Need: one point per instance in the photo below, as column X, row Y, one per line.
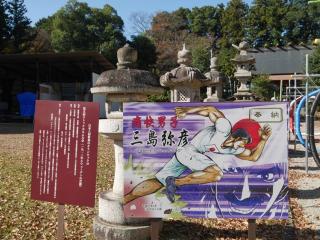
column 252, row 128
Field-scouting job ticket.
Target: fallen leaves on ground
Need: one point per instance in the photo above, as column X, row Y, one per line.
column 23, row 218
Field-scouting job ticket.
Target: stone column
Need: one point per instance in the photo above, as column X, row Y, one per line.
column 118, row 178
column 215, row 89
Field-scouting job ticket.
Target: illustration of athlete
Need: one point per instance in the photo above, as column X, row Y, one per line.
column 246, row 140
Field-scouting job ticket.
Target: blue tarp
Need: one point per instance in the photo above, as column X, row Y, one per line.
column 27, row 102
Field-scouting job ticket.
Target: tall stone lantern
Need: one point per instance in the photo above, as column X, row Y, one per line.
column 124, row 84
column 184, row 81
column 243, row 63
column 215, row 90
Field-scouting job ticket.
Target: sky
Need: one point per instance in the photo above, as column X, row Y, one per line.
column 38, row 9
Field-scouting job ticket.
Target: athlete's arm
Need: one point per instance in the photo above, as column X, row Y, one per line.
column 206, row 111
column 254, row 155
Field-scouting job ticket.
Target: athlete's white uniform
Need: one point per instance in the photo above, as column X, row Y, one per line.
column 193, row 156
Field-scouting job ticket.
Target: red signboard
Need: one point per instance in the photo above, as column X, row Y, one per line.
column 65, row 152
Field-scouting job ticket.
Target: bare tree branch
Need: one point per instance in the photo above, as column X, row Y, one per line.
column 141, row 22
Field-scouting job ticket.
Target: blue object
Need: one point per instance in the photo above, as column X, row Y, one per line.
column 297, row 115
column 27, row 102
column 171, row 188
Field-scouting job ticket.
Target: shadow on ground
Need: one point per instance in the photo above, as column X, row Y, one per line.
column 306, row 194
column 298, row 153
column 303, row 168
column 179, row 230
column 16, row 128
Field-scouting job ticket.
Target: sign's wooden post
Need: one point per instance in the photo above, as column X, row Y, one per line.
column 60, row 230
column 252, row 227
column 155, row 229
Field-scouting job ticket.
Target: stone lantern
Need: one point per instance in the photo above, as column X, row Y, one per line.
column 121, row 85
column 215, row 90
column 243, row 63
column 184, row 81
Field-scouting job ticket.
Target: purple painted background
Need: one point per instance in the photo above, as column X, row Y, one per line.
column 267, row 182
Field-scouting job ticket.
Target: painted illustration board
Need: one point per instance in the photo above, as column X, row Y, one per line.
column 206, row 160
column 65, row 152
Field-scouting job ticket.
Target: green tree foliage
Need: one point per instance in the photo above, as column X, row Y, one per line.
column 45, row 24
column 164, row 97
column 106, row 31
column 265, row 22
column 302, row 22
column 4, row 28
column 147, row 56
column 200, row 49
column 315, row 64
column 224, row 61
column 206, row 21
column 228, row 69
column 233, row 23
column 19, row 25
column 263, row 88
column 77, row 26
column 315, row 61
column 199, row 28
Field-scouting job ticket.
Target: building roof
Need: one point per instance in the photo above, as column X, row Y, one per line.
column 281, row 60
column 62, row 67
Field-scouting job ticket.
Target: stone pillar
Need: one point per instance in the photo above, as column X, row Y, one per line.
column 215, row 89
column 121, row 85
column 243, row 63
column 118, row 178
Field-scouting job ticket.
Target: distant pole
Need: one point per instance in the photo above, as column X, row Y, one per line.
column 294, row 110
column 38, row 79
column 307, row 115
column 281, row 89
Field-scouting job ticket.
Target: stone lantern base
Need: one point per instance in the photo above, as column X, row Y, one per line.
column 213, row 98
column 111, row 223
column 243, row 97
column 107, row 231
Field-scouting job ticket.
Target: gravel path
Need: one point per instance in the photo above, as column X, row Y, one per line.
column 305, row 188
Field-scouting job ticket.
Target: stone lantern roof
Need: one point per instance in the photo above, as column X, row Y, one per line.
column 184, row 74
column 124, row 79
column 243, row 57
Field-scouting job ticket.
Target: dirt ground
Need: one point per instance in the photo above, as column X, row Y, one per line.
column 22, row 218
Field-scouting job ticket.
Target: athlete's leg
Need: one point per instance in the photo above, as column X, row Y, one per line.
column 172, row 168
column 204, row 169
column 210, row 174
column 142, row 189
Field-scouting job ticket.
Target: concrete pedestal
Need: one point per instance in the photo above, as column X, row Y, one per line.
column 111, row 210
column 243, row 96
column 111, row 224
column 108, row 231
